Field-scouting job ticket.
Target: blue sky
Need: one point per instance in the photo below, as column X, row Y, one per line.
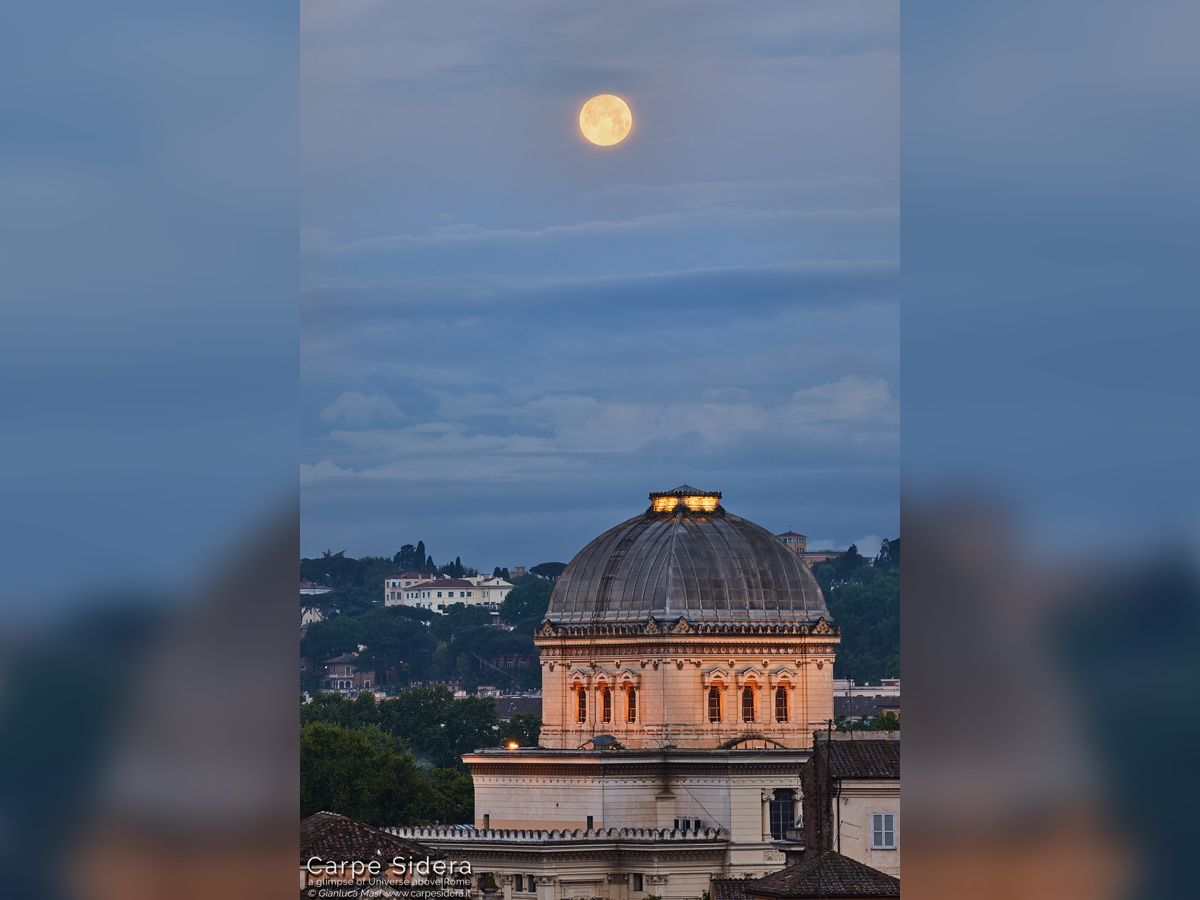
column 509, row 336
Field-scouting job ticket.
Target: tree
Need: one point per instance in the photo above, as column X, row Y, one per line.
column 329, row 638
column 407, row 559
column 437, row 728
column 453, row 796
column 864, row 600
column 889, row 556
column 527, row 602
column 346, row 772
column 419, row 553
column 466, row 668
column 549, row 570
column 523, row 729
column 887, row 721
column 849, row 562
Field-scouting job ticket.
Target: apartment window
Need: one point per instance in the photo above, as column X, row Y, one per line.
column 605, row 705
column 530, row 884
column 590, row 822
column 781, row 704
column 883, row 831
column 638, row 882
column 782, row 812
column 439, row 593
column 462, row 593
column 747, row 704
column 580, row 705
column 631, row 705
column 714, row 704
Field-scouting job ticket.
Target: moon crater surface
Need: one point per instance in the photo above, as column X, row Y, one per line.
column 605, row 120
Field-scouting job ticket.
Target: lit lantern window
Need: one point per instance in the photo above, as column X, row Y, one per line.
column 687, row 497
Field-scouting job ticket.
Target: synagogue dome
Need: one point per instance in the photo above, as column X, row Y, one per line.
column 685, row 556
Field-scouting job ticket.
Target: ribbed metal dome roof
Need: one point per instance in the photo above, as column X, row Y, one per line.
column 689, row 559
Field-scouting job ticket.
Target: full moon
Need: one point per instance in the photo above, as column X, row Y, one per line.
column 605, row 120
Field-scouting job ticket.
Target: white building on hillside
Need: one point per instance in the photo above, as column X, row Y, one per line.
column 439, row 593
column 394, row 585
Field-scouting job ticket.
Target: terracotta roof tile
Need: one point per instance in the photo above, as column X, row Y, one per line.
column 332, row 836
column 828, row 875
column 730, row 888
column 869, row 758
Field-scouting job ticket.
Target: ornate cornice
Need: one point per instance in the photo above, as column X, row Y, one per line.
column 682, row 627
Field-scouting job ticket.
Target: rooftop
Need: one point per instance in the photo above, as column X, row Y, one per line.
column 730, row 888
column 332, row 836
column 828, row 875
column 861, row 757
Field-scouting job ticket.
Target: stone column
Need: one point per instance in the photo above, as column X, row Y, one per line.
column 618, row 886
column 766, row 814
column 547, row 887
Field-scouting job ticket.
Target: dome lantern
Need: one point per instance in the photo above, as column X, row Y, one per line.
column 690, row 498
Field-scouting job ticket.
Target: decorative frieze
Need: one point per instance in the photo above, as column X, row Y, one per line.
column 682, row 626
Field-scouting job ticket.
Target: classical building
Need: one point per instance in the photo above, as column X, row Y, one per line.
column 851, row 789
column 687, row 659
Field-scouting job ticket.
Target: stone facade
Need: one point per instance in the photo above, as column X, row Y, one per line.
column 686, row 686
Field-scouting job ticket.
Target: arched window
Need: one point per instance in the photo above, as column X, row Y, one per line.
column 747, row 704
column 714, row 704
column 605, row 705
column 781, row 704
column 580, row 705
column 631, row 705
